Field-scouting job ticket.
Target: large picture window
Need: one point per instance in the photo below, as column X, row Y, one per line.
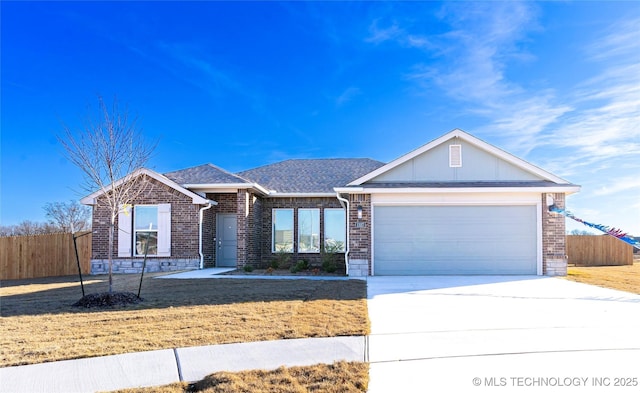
column 334, row 230
column 282, row 230
column 145, row 227
column 308, row 230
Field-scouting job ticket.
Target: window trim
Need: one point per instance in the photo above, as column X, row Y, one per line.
column 135, row 230
column 324, row 229
column 273, row 230
column 312, row 251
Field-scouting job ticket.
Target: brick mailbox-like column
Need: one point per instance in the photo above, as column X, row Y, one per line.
column 554, row 262
column 360, row 235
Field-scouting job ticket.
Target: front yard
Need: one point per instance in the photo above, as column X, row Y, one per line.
column 625, row 278
column 39, row 324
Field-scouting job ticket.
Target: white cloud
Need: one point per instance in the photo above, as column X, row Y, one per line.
column 589, row 131
column 349, row 94
column 471, row 63
column 618, row 185
column 378, row 35
column 597, row 122
column 606, row 127
column 621, row 39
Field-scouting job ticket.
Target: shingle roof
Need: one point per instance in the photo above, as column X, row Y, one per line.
column 204, row 174
column 310, row 175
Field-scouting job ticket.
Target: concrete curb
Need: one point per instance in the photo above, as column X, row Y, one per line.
column 167, row 366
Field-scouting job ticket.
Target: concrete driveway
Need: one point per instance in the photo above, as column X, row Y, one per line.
column 501, row 333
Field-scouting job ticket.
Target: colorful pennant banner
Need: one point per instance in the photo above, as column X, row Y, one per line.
column 617, row 233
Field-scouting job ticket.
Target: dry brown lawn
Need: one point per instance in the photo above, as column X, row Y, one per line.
column 624, row 278
column 39, row 324
column 343, row 377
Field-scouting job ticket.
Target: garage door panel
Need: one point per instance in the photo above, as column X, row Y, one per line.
column 455, row 240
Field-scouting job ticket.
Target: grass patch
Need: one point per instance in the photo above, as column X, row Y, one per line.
column 39, row 323
column 345, row 377
column 624, row 278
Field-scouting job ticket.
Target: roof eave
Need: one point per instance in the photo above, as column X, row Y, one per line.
column 565, row 189
column 275, row 194
column 226, row 187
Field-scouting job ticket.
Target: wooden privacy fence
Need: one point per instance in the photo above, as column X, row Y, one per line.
column 598, row 251
column 43, row 255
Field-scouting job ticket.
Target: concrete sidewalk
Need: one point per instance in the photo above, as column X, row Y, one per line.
column 163, row 367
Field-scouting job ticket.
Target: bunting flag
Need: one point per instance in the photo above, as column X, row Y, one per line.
column 617, row 233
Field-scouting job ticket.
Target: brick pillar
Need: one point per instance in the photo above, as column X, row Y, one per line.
column 554, row 254
column 243, row 221
column 360, row 235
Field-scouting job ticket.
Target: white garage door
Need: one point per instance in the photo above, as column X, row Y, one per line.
column 423, row 240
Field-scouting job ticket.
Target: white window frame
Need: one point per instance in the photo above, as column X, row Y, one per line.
column 127, row 231
column 288, row 249
column 344, row 222
column 144, row 230
column 314, row 237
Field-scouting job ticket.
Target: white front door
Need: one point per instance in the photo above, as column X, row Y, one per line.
column 227, row 240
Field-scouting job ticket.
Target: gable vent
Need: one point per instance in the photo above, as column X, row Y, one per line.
column 455, row 156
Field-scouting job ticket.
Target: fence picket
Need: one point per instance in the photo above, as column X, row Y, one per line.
column 598, row 251
column 43, row 255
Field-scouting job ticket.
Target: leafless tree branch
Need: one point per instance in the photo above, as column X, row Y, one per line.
column 109, row 151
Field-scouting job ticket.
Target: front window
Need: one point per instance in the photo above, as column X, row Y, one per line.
column 308, row 230
column 334, row 230
column 282, row 230
column 145, row 230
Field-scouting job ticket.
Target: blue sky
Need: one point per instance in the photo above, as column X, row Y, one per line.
column 249, row 83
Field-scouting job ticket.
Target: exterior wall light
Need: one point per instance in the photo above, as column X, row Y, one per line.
column 359, row 212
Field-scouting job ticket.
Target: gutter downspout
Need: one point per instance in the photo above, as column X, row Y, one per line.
column 344, row 202
column 200, row 219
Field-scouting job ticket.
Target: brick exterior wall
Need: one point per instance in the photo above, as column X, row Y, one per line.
column 360, row 232
column 249, row 229
column 208, row 234
column 554, row 254
column 244, row 220
column 314, row 259
column 184, row 233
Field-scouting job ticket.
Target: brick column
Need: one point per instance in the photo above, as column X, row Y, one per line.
column 554, row 254
column 360, row 235
column 243, row 232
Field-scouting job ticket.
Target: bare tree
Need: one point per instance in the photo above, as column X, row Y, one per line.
column 6, row 230
column 29, row 228
column 110, row 152
column 580, row 232
column 68, row 216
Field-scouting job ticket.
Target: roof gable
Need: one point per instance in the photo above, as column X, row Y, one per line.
column 195, row 198
column 480, row 162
